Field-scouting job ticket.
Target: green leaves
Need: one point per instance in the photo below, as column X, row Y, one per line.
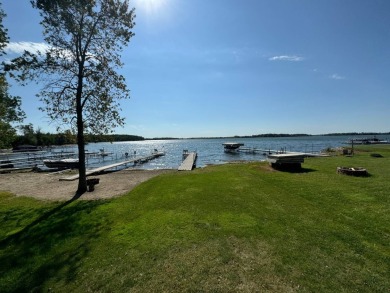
column 79, row 68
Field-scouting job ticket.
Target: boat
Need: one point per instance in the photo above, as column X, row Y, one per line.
column 103, row 153
column 232, row 147
column 157, row 153
column 62, row 163
column 26, row 148
column 6, row 164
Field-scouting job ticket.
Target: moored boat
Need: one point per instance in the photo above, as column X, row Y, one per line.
column 6, row 164
column 62, row 163
column 26, row 148
column 103, row 153
column 157, row 153
column 231, row 147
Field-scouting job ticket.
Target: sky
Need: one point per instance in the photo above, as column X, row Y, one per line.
column 211, row 68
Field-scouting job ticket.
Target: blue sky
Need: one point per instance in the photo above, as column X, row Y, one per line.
column 200, row 68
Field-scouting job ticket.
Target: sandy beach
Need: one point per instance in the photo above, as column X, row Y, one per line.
column 47, row 186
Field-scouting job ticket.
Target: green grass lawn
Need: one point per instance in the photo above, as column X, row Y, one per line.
column 228, row 228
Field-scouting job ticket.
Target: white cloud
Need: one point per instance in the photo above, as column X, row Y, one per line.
column 20, row 47
column 336, row 76
column 286, row 58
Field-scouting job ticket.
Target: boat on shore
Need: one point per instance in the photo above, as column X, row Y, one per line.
column 62, row 163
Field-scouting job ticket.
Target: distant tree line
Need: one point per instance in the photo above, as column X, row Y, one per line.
column 357, row 133
column 290, row 135
column 328, row 134
column 255, row 135
column 113, row 137
column 163, row 138
column 278, row 135
column 29, row 136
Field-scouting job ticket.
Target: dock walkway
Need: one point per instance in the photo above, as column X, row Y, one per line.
column 111, row 166
column 189, row 162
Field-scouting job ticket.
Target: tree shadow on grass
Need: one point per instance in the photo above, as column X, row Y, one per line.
column 294, row 170
column 43, row 217
column 50, row 247
column 302, row 170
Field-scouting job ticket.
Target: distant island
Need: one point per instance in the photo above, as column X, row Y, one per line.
column 276, row 135
column 47, row 139
column 357, row 133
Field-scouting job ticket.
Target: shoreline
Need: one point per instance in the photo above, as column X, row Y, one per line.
column 47, row 186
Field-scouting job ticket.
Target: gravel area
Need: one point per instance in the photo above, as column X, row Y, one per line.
column 47, row 186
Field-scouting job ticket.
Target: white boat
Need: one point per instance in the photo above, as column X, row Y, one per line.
column 231, row 147
column 62, row 163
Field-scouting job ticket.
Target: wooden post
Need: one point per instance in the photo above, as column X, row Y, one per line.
column 352, row 147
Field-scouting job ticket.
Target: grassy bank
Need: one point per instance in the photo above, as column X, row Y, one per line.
column 229, row 228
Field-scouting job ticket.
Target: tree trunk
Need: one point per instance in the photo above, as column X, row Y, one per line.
column 82, row 187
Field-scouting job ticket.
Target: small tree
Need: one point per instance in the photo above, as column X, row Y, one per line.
column 28, row 134
column 10, row 110
column 82, row 86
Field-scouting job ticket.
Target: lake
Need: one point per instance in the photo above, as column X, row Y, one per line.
column 210, row 151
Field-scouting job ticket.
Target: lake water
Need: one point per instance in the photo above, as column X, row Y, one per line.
column 210, row 151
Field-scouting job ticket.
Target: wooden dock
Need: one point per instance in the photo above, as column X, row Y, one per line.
column 115, row 165
column 188, row 162
column 262, row 151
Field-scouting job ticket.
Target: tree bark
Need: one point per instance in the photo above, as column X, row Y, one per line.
column 82, row 186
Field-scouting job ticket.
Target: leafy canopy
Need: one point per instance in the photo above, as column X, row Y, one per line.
column 79, row 67
column 84, row 38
